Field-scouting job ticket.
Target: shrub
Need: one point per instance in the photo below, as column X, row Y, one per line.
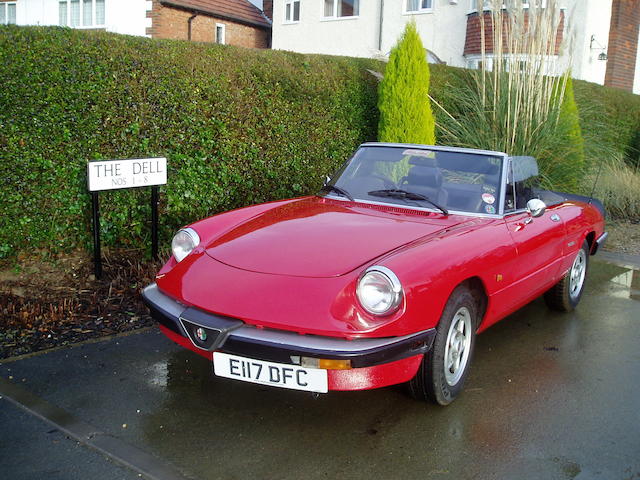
column 611, row 123
column 405, row 111
column 570, row 119
column 516, row 106
column 237, row 126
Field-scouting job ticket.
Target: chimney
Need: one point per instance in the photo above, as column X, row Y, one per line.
column 267, row 6
column 623, row 44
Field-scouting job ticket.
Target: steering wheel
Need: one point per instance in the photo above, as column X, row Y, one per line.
column 388, row 183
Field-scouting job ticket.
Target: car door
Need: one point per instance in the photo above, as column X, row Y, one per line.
column 539, row 241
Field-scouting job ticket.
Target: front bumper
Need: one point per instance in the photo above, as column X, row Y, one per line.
column 375, row 362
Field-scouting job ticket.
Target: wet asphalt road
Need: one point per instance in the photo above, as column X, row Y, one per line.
column 550, row 396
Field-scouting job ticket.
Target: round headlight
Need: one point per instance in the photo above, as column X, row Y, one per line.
column 184, row 242
column 379, row 291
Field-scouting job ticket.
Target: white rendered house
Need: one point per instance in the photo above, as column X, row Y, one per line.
column 122, row 16
column 235, row 22
column 370, row 28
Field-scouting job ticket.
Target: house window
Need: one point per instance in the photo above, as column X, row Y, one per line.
column 220, row 33
column 292, row 11
column 418, row 5
column 81, row 13
column 341, row 8
column 536, row 3
column 7, row 13
column 486, row 5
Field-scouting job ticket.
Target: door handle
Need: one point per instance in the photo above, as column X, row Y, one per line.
column 524, row 223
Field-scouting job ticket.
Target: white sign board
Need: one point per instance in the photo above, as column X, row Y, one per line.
column 113, row 174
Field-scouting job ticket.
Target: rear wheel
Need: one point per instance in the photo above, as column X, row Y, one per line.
column 565, row 295
column 444, row 368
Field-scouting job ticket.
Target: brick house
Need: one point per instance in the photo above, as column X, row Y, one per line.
column 605, row 48
column 233, row 22
column 623, row 62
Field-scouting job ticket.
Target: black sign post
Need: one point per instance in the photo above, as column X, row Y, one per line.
column 97, row 258
column 119, row 174
column 154, row 222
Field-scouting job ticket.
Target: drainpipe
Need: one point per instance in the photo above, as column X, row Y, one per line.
column 380, row 26
column 189, row 25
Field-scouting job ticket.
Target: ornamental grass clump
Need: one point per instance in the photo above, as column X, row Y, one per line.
column 618, row 186
column 520, row 100
column 403, row 102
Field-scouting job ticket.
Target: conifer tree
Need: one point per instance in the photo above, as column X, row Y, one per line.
column 570, row 119
column 403, row 101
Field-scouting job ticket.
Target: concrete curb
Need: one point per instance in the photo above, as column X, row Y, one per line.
column 621, row 259
column 120, row 452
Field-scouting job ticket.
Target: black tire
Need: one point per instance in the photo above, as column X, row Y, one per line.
column 565, row 295
column 432, row 382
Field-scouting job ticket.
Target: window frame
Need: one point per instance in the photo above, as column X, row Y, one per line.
column 94, row 15
column 420, row 9
column 335, row 16
column 292, row 4
column 473, row 8
column 6, row 13
column 223, row 29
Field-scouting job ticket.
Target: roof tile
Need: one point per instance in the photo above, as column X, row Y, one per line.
column 241, row 10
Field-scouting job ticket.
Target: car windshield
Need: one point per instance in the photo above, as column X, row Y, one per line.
column 421, row 177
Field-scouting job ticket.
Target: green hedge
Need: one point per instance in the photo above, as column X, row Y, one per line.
column 237, row 127
column 610, row 120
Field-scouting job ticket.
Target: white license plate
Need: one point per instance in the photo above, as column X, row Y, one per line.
column 269, row 373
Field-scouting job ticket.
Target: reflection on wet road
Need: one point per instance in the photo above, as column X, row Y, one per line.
column 549, row 396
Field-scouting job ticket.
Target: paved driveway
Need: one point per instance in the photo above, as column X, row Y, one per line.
column 550, row 396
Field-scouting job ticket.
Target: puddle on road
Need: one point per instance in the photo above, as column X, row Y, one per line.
column 630, row 283
column 614, row 280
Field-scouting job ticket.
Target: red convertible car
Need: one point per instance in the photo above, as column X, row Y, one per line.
column 385, row 277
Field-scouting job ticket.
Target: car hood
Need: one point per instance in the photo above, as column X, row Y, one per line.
column 320, row 237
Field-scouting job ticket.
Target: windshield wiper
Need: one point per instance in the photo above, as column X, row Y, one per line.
column 406, row 195
column 341, row 191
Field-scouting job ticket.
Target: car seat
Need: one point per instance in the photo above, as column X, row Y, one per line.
column 427, row 181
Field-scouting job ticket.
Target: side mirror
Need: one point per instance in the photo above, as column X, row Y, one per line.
column 327, row 179
column 536, row 207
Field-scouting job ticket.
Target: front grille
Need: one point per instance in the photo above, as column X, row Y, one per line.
column 207, row 331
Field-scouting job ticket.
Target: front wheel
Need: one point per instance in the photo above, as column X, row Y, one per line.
column 444, row 368
column 565, row 295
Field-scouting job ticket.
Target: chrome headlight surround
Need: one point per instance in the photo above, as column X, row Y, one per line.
column 379, row 291
column 184, row 242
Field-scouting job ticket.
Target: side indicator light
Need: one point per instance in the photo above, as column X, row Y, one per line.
column 325, row 363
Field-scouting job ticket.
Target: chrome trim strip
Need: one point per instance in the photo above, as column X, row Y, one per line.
column 440, row 148
column 506, row 162
column 602, row 238
column 193, row 234
column 413, row 207
column 515, row 212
